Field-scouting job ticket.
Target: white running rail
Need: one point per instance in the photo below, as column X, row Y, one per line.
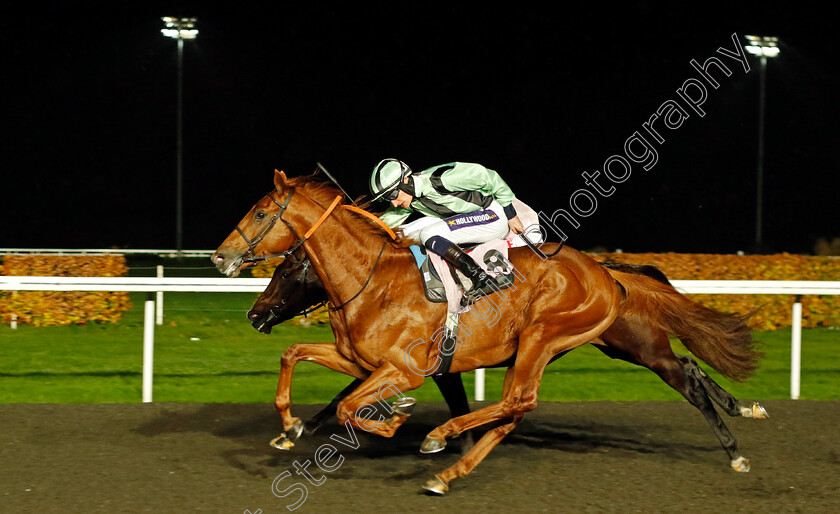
column 237, row 285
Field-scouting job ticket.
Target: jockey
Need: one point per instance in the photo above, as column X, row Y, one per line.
column 468, row 203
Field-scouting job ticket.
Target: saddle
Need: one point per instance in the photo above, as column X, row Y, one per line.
column 440, row 280
column 442, row 284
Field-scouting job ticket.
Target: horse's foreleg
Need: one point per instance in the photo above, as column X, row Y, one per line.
column 324, row 354
column 363, row 407
column 452, row 388
column 317, row 421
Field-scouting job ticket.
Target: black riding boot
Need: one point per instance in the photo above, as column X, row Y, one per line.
column 481, row 282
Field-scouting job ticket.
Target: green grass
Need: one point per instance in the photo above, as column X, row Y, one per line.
column 231, row 362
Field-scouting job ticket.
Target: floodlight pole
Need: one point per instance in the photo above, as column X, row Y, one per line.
column 759, row 184
column 179, row 29
column 179, row 160
column 763, row 47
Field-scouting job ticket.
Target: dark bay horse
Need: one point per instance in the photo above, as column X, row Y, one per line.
column 565, row 302
column 295, row 288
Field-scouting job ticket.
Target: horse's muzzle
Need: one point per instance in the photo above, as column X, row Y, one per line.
column 228, row 262
column 262, row 321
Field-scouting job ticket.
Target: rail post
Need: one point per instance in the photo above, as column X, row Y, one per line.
column 159, row 299
column 148, row 347
column 795, row 348
column 479, row 385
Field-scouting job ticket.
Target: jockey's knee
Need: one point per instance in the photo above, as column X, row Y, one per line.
column 436, row 244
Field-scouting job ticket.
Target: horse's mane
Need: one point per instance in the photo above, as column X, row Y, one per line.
column 638, row 269
column 322, row 191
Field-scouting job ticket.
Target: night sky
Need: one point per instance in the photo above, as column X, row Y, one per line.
column 89, row 114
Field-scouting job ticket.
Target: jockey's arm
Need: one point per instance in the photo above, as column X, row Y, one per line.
column 395, row 216
column 475, row 177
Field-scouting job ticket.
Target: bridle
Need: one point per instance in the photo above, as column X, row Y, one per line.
column 250, row 255
column 300, row 278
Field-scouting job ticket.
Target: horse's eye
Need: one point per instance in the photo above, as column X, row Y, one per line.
column 260, row 215
column 285, row 275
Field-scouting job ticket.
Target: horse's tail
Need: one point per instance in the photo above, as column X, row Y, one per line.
column 721, row 340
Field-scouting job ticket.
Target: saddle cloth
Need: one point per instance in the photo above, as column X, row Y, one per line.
column 440, row 281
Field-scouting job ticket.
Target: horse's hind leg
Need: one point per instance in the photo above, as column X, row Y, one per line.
column 537, row 346
column 720, row 395
column 697, row 395
column 651, row 348
column 451, row 386
column 439, row 484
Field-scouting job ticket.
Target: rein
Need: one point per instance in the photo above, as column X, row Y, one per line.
column 366, row 281
column 373, row 218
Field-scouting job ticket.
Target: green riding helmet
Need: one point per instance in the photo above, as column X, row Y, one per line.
column 386, row 179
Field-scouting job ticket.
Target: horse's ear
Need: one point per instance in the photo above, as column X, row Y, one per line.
column 280, row 181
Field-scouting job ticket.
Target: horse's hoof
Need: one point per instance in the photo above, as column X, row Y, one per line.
column 436, row 486
column 431, row 445
column 758, row 411
column 404, row 406
column 741, row 464
column 754, row 411
column 282, row 442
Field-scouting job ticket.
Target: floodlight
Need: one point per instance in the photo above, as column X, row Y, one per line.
column 766, row 46
column 179, row 28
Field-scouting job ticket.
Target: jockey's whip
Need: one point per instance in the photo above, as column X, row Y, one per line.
column 538, row 251
column 334, row 181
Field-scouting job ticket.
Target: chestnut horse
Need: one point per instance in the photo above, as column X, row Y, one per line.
column 295, row 288
column 565, row 302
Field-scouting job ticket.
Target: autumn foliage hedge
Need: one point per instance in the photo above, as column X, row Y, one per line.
column 42, row 308
column 775, row 310
column 81, row 307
